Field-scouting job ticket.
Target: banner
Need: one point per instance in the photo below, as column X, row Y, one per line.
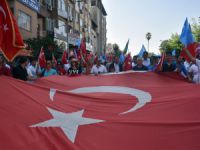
column 112, row 112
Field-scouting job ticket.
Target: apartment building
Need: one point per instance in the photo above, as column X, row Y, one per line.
column 99, row 14
column 67, row 21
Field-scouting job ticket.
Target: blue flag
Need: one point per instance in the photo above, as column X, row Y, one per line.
column 187, row 37
column 142, row 51
column 121, row 58
column 174, row 52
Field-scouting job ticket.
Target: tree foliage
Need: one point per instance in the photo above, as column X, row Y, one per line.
column 172, row 44
column 196, row 29
column 148, row 36
column 49, row 44
column 174, row 41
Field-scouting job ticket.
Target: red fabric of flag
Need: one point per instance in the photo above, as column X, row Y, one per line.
column 113, row 112
column 11, row 42
column 64, row 57
column 42, row 59
column 160, row 64
column 192, row 49
column 54, row 61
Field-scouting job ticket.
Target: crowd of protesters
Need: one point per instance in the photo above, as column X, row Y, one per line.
column 30, row 69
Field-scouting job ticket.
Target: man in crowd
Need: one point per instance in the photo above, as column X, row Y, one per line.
column 60, row 70
column 140, row 66
column 134, row 62
column 20, row 71
column 146, row 59
column 180, row 67
column 48, row 71
column 75, row 69
column 194, row 70
column 168, row 65
column 33, row 69
column 193, row 73
column 4, row 70
column 98, row 68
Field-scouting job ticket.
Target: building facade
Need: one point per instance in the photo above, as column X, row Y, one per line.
column 67, row 21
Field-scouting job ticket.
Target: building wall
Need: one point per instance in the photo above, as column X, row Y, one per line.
column 34, row 21
column 78, row 20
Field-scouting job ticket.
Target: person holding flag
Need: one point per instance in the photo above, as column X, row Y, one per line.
column 196, row 61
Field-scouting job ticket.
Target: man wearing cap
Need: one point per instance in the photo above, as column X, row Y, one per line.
column 74, row 70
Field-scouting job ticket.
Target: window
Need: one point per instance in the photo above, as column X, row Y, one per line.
column 49, row 24
column 62, row 27
column 24, row 21
column 61, row 5
column 77, row 17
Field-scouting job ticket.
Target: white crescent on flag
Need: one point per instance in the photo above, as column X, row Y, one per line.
column 142, row 96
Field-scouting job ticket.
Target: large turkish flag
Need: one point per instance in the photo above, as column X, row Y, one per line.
column 142, row 111
column 11, row 42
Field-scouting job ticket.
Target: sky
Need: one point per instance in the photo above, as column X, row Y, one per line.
column 132, row 19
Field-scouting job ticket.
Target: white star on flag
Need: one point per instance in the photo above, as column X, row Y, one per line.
column 68, row 122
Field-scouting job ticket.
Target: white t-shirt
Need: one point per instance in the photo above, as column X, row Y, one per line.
column 117, row 70
column 187, row 65
column 66, row 67
column 195, row 70
column 133, row 64
column 31, row 70
column 147, row 62
column 98, row 70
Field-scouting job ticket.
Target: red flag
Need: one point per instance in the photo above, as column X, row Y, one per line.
column 64, row 57
column 11, row 42
column 83, row 47
column 54, row 60
column 128, row 63
column 192, row 49
column 126, row 111
column 160, row 64
column 42, row 59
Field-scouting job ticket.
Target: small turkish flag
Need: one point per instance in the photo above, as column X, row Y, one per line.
column 11, row 42
column 192, row 49
column 64, row 57
column 128, row 63
column 42, row 59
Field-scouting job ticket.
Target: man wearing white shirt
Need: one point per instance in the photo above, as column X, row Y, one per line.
column 98, row 68
column 146, row 60
column 33, row 69
column 116, row 65
column 197, row 62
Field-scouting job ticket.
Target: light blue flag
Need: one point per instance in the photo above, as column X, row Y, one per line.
column 121, row 58
column 187, row 37
column 174, row 52
column 142, row 51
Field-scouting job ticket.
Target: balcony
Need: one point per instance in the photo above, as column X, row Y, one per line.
column 62, row 13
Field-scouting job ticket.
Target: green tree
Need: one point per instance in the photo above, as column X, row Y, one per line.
column 172, row 44
column 148, row 37
column 196, row 29
column 49, row 44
